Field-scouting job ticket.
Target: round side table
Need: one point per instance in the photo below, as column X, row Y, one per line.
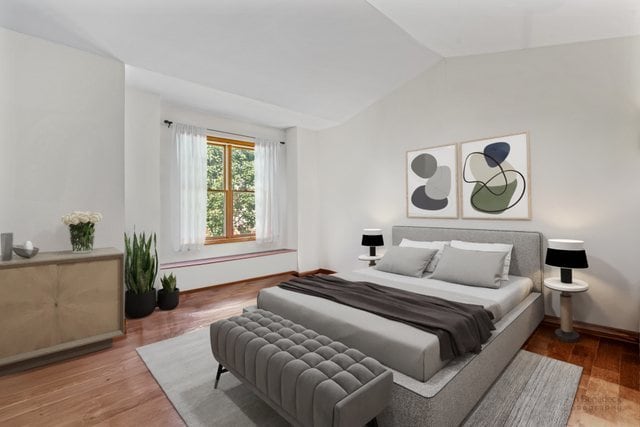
column 565, row 332
column 371, row 258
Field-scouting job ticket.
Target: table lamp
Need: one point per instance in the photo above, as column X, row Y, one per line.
column 372, row 237
column 566, row 254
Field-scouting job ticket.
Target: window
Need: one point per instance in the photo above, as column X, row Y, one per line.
column 231, row 201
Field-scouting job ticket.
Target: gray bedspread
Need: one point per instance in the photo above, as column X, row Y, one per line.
column 460, row 328
column 401, row 347
column 406, row 349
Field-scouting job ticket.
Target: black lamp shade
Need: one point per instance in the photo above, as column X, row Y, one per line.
column 566, row 259
column 372, row 240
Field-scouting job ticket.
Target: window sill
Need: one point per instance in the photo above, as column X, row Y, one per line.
column 215, row 260
column 238, row 239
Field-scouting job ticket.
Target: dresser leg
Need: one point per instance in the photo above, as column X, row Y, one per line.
column 566, row 332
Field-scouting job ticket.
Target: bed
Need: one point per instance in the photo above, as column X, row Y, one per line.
column 428, row 390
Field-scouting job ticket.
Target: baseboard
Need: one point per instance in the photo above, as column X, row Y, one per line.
column 292, row 273
column 189, row 291
column 310, row 272
column 597, row 330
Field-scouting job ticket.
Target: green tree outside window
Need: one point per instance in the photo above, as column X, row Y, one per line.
column 231, row 190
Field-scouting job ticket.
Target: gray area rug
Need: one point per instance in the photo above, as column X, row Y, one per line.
column 532, row 391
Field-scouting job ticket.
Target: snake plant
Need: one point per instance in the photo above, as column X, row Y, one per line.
column 168, row 283
column 140, row 264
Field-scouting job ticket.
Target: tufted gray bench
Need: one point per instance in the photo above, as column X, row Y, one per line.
column 308, row 378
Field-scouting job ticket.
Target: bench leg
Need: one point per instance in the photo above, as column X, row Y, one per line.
column 221, row 370
column 373, row 423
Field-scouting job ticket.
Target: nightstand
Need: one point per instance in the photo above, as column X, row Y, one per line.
column 565, row 332
column 371, row 258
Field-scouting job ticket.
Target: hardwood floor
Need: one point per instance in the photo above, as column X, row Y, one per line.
column 113, row 387
column 609, row 390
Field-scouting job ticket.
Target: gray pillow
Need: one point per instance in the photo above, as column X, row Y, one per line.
column 473, row 268
column 406, row 261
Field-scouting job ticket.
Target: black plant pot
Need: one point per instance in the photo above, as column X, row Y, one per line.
column 139, row 305
column 168, row 300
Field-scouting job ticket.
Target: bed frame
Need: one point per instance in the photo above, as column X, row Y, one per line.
column 449, row 396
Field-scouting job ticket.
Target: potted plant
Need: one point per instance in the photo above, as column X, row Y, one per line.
column 169, row 295
column 140, row 271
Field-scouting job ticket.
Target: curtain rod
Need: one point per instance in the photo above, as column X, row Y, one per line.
column 169, row 123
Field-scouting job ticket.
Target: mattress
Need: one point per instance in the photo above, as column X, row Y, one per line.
column 404, row 348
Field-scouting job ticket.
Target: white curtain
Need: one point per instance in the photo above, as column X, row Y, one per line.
column 270, row 190
column 189, row 187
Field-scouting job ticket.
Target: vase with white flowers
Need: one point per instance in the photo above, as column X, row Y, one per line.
column 82, row 227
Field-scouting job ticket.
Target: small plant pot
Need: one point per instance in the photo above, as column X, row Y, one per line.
column 139, row 305
column 168, row 300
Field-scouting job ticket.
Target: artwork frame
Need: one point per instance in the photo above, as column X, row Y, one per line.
column 504, row 160
column 446, row 158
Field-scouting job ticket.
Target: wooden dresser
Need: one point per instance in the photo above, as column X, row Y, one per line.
column 59, row 305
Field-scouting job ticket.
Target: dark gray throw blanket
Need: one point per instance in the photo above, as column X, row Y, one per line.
column 460, row 327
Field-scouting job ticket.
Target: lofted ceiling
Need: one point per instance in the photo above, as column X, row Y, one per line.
column 324, row 58
column 220, row 103
column 471, row 27
column 310, row 63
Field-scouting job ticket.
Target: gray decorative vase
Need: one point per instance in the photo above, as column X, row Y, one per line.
column 6, row 245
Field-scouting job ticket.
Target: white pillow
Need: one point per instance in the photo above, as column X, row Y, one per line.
column 488, row 247
column 439, row 245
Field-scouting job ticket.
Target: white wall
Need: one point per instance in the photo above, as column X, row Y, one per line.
column 148, row 149
column 292, row 188
column 303, row 146
column 142, row 161
column 581, row 105
column 61, row 140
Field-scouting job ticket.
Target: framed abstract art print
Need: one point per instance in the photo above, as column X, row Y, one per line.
column 432, row 186
column 495, row 178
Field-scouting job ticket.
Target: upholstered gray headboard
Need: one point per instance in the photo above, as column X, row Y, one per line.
column 526, row 257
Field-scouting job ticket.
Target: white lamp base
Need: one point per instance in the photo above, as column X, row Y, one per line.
column 371, row 258
column 565, row 332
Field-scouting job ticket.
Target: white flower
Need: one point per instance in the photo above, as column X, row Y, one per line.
column 77, row 217
column 83, row 217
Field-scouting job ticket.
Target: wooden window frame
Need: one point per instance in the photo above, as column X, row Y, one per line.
column 228, row 144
